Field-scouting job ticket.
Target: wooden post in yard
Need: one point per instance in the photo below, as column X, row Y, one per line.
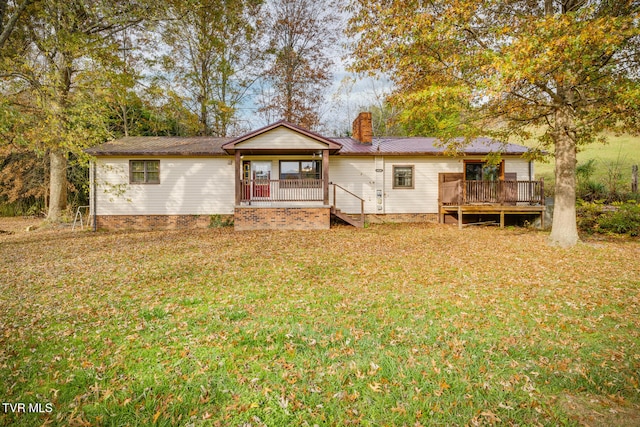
column 634, row 179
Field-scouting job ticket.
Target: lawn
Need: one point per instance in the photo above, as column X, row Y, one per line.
column 612, row 161
column 389, row 325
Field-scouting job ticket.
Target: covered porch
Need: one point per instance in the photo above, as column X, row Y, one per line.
column 282, row 178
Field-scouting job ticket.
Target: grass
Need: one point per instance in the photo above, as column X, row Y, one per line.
column 389, row 325
column 617, row 156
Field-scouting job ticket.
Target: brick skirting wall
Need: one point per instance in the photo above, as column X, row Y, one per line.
column 407, row 217
column 248, row 218
column 159, row 222
column 262, row 218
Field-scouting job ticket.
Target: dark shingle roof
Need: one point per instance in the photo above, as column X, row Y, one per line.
column 161, row 146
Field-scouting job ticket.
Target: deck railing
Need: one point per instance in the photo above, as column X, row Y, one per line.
column 284, row 190
column 503, row 192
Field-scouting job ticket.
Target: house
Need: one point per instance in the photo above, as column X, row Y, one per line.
column 286, row 177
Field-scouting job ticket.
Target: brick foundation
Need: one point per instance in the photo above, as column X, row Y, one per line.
column 260, row 218
column 160, row 222
column 407, row 217
column 248, row 218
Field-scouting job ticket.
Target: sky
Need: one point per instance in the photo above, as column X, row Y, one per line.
column 345, row 97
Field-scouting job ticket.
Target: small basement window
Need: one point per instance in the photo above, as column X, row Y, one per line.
column 403, row 177
column 144, row 171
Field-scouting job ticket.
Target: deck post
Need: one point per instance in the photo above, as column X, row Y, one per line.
column 238, row 176
column 501, row 218
column 459, row 217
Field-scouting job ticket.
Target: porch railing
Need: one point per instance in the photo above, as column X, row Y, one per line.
column 283, row 190
column 493, row 192
column 504, row 192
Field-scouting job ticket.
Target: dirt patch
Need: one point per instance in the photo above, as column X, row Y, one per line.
column 600, row 411
column 15, row 225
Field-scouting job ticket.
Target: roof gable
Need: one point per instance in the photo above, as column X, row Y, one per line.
column 281, row 136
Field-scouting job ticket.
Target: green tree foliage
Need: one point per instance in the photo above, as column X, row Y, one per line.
column 500, row 67
column 385, row 119
column 53, row 80
column 9, row 18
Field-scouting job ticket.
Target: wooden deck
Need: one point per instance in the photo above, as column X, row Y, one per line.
column 491, row 209
column 503, row 197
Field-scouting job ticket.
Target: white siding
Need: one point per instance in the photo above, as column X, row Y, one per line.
column 281, row 139
column 188, row 186
column 520, row 167
column 357, row 175
column 423, row 197
column 205, row 186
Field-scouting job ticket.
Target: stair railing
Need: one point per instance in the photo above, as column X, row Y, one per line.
column 334, row 204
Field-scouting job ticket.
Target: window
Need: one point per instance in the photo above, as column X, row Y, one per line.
column 300, row 169
column 481, row 171
column 403, row 177
column 144, row 171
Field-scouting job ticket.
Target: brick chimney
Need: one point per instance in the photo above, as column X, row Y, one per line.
column 362, row 130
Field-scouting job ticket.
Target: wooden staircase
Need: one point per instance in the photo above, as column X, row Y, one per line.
column 356, row 220
column 337, row 213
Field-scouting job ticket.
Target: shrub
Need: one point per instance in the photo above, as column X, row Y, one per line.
column 588, row 214
column 219, row 221
column 621, row 218
column 624, row 220
column 592, row 190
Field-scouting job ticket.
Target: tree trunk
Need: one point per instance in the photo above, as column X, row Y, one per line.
column 564, row 230
column 125, row 119
column 57, row 185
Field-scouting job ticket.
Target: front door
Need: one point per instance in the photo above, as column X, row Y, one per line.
column 261, row 174
column 246, row 180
